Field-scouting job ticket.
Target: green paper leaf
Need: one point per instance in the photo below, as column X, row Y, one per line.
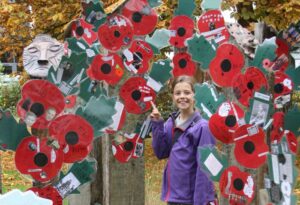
column 83, row 170
column 291, row 121
column 201, row 50
column 159, row 40
column 154, row 3
column 94, row 13
column 89, row 88
column 211, row 4
column 207, row 99
column 69, row 74
column 160, row 73
column 294, row 74
column 11, row 132
column 212, row 162
column 264, row 51
column 185, row 7
column 98, row 112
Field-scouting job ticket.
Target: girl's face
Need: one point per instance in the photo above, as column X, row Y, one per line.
column 183, row 97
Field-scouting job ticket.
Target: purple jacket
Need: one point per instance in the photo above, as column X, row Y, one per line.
column 183, row 180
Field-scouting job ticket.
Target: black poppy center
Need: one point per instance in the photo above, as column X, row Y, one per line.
column 278, row 88
column 40, row 159
column 281, row 158
column 117, row 34
column 250, row 85
column 181, row 31
column 238, row 184
column 230, row 120
column 136, row 95
column 226, row 65
column 128, row 146
column 182, row 63
column 26, row 104
column 105, row 68
column 137, row 17
column 71, row 138
column 79, row 31
column 37, row 109
column 249, row 147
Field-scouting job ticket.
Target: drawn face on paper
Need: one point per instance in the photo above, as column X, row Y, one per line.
column 41, row 54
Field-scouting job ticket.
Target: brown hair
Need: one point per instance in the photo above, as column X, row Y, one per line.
column 183, row 78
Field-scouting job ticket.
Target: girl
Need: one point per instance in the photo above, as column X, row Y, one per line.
column 178, row 139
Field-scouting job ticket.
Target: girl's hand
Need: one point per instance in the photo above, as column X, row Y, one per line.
column 155, row 114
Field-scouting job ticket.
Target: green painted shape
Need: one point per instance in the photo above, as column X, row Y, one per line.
column 11, row 131
column 215, row 157
column 266, row 50
column 94, row 13
column 98, row 112
column 154, row 3
column 207, row 99
column 83, row 170
column 159, row 40
column 185, row 7
column 89, row 88
column 160, row 71
column 291, row 121
column 69, row 74
column 201, row 51
column 211, row 4
column 294, row 74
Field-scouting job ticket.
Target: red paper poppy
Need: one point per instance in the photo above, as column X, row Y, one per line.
column 74, row 134
column 250, row 148
column 227, row 63
column 115, row 33
column 48, row 192
column 137, row 57
column 225, row 121
column 292, row 141
column 244, row 85
column 183, row 64
column 277, row 127
column 81, row 29
column 70, row 101
column 182, row 28
column 211, row 25
column 283, row 86
column 36, row 158
column 237, row 186
column 141, row 15
column 129, row 148
column 118, row 119
column 108, row 68
column 137, row 96
column 41, row 102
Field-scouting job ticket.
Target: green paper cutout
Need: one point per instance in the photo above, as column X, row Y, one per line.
column 79, row 46
column 291, row 121
column 98, row 112
column 201, row 51
column 11, row 131
column 69, row 74
column 160, row 73
column 207, row 99
column 83, row 170
column 89, row 88
column 211, row 4
column 212, row 162
column 159, row 40
column 261, row 109
column 94, row 13
column 294, row 74
column 154, row 3
column 266, row 50
column 185, row 7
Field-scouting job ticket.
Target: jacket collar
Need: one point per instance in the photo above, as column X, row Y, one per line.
column 189, row 123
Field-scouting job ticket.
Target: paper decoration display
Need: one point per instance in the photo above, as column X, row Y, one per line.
column 227, row 63
column 159, row 39
column 294, row 74
column 159, row 74
column 81, row 29
column 94, row 13
column 291, row 121
column 118, row 118
column 277, row 126
column 185, row 8
column 183, row 64
column 181, row 28
column 211, row 4
column 283, row 87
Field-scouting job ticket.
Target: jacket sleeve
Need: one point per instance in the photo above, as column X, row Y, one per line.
column 204, row 187
column 161, row 142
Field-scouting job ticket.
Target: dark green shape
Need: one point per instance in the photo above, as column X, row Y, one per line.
column 69, row 74
column 266, row 50
column 98, row 112
column 154, row 3
column 159, row 40
column 215, row 160
column 83, row 170
column 185, row 7
column 211, row 4
column 94, row 13
column 160, row 71
column 207, row 99
column 89, row 88
column 201, row 51
column 291, row 121
column 11, row 131
column 294, row 74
